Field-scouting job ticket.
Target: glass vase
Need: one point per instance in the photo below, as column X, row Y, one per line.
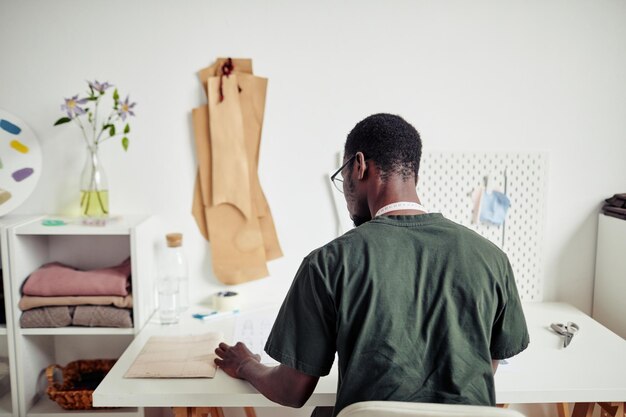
column 94, row 190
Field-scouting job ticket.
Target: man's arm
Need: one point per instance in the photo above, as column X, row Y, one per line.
column 494, row 365
column 281, row 384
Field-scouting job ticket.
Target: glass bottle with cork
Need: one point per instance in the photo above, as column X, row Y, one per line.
column 173, row 283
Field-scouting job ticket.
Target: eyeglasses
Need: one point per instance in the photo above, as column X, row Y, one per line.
column 336, row 179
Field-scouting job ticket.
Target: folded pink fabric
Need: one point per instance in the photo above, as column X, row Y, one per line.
column 56, row 279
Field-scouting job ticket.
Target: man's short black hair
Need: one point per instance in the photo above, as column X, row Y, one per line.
column 390, row 141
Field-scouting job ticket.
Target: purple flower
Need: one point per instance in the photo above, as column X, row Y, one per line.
column 126, row 109
column 99, row 87
column 72, row 108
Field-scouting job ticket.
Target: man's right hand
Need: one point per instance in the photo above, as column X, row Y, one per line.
column 232, row 358
column 281, row 384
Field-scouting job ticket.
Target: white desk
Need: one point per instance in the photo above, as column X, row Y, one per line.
column 592, row 369
column 220, row 391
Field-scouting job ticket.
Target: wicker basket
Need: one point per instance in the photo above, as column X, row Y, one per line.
column 80, row 379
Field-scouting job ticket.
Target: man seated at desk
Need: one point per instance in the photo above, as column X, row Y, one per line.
column 417, row 307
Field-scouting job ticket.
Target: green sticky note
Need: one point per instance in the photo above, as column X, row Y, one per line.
column 53, row 222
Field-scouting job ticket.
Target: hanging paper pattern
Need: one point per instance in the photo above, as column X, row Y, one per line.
column 229, row 205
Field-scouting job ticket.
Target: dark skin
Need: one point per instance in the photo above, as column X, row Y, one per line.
column 365, row 194
column 281, row 384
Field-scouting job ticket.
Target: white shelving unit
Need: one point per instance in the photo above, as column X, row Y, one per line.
column 33, row 244
column 8, row 401
column 609, row 307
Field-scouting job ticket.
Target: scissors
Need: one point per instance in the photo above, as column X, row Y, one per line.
column 566, row 330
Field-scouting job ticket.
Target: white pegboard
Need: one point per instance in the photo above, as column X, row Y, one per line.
column 447, row 180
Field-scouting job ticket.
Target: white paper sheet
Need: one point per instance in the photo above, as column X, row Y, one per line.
column 253, row 330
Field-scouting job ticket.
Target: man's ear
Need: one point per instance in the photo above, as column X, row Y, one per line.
column 361, row 165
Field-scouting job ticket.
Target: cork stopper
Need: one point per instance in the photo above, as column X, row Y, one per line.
column 174, row 240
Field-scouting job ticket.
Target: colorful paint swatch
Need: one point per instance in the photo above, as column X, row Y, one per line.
column 9, row 127
column 4, row 196
column 22, row 174
column 20, row 161
column 19, row 146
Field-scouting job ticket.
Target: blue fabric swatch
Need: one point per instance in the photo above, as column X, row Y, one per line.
column 494, row 207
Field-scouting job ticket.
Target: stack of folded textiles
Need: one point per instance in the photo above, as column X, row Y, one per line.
column 615, row 206
column 57, row 295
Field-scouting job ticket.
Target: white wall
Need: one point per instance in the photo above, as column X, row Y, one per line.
column 547, row 75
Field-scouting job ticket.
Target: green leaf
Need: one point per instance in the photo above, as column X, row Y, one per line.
column 125, row 143
column 126, row 128
column 112, row 130
column 90, row 117
column 116, row 96
column 62, row 120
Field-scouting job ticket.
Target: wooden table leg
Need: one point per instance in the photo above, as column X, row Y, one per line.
column 562, row 409
column 181, row 412
column 249, row 411
column 206, row 411
column 618, row 410
column 197, row 412
column 583, row 410
column 219, row 412
column 612, row 409
column 203, row 412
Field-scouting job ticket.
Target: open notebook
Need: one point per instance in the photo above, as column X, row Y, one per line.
column 176, row 357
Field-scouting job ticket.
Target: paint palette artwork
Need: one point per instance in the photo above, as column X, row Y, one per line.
column 20, row 162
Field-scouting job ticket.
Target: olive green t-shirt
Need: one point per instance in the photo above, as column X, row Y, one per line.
column 416, row 307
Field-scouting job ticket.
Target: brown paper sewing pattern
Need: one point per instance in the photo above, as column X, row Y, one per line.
column 229, row 205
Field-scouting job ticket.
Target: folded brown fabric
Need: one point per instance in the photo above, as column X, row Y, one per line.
column 56, row 279
column 615, row 210
column 46, row 317
column 28, row 302
column 102, row 316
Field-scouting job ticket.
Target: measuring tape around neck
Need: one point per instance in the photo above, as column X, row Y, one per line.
column 400, row 205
